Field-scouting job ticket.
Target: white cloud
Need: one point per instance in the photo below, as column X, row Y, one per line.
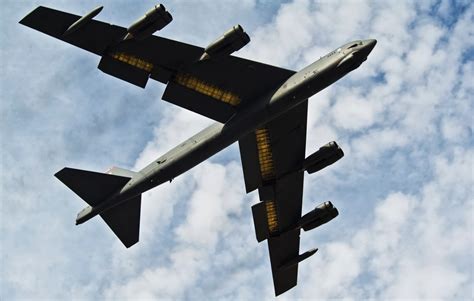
column 212, row 211
column 354, row 113
column 292, row 24
column 378, row 141
column 408, row 250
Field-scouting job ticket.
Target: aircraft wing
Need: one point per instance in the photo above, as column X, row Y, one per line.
column 215, row 88
column 218, row 88
column 272, row 158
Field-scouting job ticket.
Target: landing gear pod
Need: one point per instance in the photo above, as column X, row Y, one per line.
column 155, row 19
column 233, row 40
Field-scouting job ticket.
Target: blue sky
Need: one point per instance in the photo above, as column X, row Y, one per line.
column 404, row 189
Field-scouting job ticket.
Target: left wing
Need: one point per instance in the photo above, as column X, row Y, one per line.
column 131, row 60
column 215, row 88
column 272, row 160
column 219, row 88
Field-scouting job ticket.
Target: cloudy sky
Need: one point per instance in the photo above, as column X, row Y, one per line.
column 404, row 189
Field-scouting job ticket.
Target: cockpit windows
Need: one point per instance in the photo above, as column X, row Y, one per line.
column 352, row 46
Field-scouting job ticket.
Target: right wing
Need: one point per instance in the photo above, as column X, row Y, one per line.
column 272, row 159
column 215, row 88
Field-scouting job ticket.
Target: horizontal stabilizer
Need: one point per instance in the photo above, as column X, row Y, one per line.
column 92, row 187
column 124, row 220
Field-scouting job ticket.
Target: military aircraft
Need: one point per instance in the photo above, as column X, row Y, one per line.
column 263, row 107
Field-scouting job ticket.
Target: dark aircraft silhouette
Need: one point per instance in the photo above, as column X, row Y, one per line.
column 263, row 107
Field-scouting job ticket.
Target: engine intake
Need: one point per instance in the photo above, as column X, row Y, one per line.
column 233, row 40
column 322, row 214
column 325, row 156
column 155, row 19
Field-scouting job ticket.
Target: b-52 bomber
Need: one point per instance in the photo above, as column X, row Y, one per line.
column 263, row 107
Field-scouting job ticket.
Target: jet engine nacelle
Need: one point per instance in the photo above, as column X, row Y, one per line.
column 155, row 19
column 325, row 156
column 233, row 40
column 322, row 214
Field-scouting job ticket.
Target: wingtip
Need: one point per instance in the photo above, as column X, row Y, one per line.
column 60, row 172
column 284, row 290
column 99, row 8
column 25, row 19
column 131, row 243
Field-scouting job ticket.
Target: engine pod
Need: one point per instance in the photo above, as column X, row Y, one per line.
column 325, row 156
column 322, row 214
column 155, row 19
column 231, row 41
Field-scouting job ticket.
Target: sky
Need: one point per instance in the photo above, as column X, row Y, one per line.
column 404, row 189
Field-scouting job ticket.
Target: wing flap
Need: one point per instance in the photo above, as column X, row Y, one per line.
column 124, row 71
column 250, row 164
column 211, row 107
column 259, row 214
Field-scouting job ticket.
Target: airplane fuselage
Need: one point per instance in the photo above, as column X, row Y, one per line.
column 296, row 89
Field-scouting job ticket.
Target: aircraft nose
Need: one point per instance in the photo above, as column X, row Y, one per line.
column 370, row 44
column 364, row 51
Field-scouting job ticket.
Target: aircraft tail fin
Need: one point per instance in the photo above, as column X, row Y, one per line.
column 124, row 220
column 92, row 187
